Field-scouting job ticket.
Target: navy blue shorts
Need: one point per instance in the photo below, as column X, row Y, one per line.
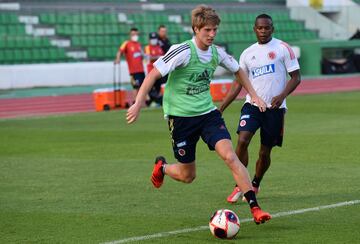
column 186, row 131
column 137, row 79
column 270, row 122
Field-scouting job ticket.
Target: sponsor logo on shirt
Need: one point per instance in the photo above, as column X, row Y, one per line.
column 193, row 90
column 263, row 70
column 245, row 116
column 204, row 76
column 201, row 82
column 137, row 54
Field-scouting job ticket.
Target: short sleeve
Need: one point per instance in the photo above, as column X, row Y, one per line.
column 290, row 60
column 242, row 62
column 147, row 50
column 178, row 55
column 227, row 61
column 122, row 47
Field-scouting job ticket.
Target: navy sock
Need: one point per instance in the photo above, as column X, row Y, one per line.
column 256, row 181
column 251, row 199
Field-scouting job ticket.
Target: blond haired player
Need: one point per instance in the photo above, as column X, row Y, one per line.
column 189, row 108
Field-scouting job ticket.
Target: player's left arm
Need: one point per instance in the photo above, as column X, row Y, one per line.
column 289, row 88
column 293, row 68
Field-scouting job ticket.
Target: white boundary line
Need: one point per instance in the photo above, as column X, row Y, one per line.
column 200, row 228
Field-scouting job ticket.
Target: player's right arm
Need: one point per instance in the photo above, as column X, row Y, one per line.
column 149, row 81
column 120, row 51
column 175, row 57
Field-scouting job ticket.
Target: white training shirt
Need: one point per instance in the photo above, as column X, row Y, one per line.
column 267, row 66
column 179, row 56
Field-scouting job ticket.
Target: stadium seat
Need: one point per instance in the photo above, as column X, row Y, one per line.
column 101, row 33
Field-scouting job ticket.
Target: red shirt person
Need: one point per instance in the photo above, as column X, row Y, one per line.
column 133, row 53
column 153, row 50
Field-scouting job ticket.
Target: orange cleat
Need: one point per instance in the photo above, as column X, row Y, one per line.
column 260, row 216
column 235, row 195
column 157, row 177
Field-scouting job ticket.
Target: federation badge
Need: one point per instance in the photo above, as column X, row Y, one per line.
column 272, row 55
column 242, row 123
column 181, row 152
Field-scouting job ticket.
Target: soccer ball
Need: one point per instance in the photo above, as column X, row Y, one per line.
column 224, row 224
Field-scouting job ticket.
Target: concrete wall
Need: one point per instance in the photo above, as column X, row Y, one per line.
column 65, row 74
column 315, row 21
column 57, row 75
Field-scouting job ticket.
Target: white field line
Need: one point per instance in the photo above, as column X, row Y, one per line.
column 200, row 228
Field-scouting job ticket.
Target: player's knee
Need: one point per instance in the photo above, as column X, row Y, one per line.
column 264, row 156
column 243, row 143
column 231, row 159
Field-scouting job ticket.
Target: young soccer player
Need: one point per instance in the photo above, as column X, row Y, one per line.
column 266, row 63
column 189, row 108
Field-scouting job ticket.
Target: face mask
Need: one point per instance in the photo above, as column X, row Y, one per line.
column 135, row 38
column 153, row 42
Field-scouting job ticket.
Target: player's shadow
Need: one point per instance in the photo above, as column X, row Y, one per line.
column 279, row 229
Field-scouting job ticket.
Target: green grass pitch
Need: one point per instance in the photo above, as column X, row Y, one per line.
column 85, row 178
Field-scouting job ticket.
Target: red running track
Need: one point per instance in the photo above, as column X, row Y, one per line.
column 45, row 105
column 66, row 104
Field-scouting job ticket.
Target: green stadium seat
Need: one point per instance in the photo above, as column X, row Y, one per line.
column 26, row 54
column 7, row 18
column 101, row 33
column 2, row 58
column 36, row 55
column 8, row 56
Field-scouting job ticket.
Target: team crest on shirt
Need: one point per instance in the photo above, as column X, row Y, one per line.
column 242, row 123
column 272, row 55
column 181, row 152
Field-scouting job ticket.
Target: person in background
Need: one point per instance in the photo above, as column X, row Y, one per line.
column 267, row 64
column 164, row 41
column 165, row 45
column 153, row 51
column 133, row 53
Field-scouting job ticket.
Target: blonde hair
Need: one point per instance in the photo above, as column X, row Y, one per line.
column 203, row 15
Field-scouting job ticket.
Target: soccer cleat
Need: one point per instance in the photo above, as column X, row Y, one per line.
column 255, row 189
column 260, row 216
column 235, row 195
column 157, row 177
